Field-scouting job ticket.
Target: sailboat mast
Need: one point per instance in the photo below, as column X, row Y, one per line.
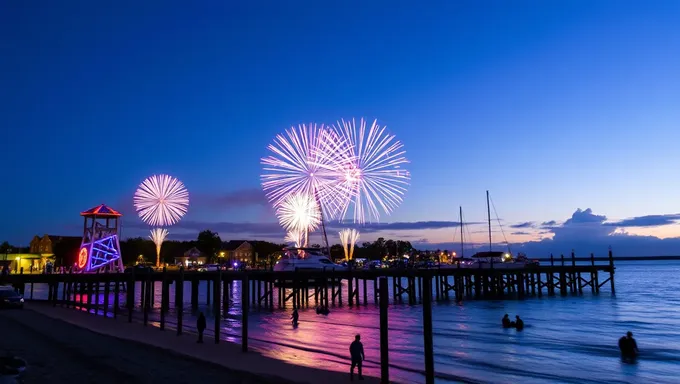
column 488, row 212
column 462, row 248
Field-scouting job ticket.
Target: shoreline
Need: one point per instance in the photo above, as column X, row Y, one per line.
column 225, row 355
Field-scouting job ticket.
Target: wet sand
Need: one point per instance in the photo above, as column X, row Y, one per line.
column 59, row 352
column 59, row 343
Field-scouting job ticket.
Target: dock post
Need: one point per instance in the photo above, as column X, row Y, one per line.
column 130, row 302
column 244, row 313
column 107, row 290
column 350, row 291
column 163, row 297
column 194, row 293
column 116, row 299
column 146, row 293
column 384, row 346
column 427, row 330
column 573, row 274
column 216, row 303
column 611, row 271
column 365, row 293
column 225, row 298
column 179, row 299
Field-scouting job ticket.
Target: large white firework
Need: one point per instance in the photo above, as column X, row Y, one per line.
column 370, row 170
column 158, row 236
column 299, row 212
column 296, row 237
column 161, row 200
column 348, row 238
column 305, row 160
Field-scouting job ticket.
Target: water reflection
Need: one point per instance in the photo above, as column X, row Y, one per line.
column 567, row 339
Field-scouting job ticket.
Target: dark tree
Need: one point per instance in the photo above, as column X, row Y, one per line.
column 209, row 243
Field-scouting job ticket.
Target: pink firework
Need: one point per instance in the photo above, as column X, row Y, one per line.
column 370, row 170
column 161, row 200
column 297, row 165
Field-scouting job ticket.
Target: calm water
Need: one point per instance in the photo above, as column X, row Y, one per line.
column 569, row 339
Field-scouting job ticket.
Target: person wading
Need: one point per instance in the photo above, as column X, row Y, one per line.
column 200, row 326
column 356, row 350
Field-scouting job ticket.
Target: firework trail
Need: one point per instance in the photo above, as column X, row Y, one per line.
column 161, row 200
column 348, row 237
column 158, row 236
column 370, row 170
column 296, row 237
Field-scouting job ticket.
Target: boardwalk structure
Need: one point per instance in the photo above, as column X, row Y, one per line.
column 92, row 292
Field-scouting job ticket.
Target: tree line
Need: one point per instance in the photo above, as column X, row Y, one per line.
column 210, row 244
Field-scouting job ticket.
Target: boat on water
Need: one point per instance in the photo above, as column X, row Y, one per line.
column 492, row 259
column 305, row 259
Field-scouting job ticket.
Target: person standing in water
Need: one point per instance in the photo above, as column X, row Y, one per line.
column 628, row 347
column 200, row 326
column 356, row 351
column 506, row 321
column 295, row 317
column 519, row 323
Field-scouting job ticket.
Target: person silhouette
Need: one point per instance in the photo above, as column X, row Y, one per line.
column 200, row 326
column 628, row 347
column 506, row 321
column 519, row 323
column 295, row 317
column 356, row 351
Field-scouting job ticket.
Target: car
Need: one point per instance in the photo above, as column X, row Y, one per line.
column 10, row 298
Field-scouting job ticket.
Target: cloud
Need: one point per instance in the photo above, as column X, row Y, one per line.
column 528, row 224
column 550, row 223
column 647, row 221
column 231, row 199
column 520, row 233
column 398, row 226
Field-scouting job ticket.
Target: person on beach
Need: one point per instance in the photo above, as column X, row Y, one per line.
column 356, row 351
column 519, row 323
column 200, row 326
column 295, row 317
column 506, row 321
column 628, row 347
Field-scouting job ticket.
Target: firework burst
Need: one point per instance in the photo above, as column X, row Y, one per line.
column 299, row 212
column 158, row 236
column 348, row 237
column 297, row 164
column 370, row 170
column 161, row 200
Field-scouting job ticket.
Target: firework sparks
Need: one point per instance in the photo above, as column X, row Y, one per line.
column 299, row 212
column 349, row 237
column 296, row 237
column 297, row 165
column 158, row 236
column 370, row 172
column 161, row 200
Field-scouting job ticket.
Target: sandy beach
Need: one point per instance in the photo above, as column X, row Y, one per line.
column 62, row 345
column 59, row 352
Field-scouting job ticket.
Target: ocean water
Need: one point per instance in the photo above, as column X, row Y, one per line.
column 570, row 339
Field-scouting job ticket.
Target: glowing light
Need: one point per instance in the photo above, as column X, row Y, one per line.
column 158, row 236
column 305, row 161
column 370, row 170
column 82, row 258
column 296, row 237
column 161, row 200
column 299, row 212
column 348, row 237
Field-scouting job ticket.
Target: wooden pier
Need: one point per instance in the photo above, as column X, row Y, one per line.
column 295, row 289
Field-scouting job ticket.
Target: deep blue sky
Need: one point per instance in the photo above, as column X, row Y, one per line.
column 552, row 107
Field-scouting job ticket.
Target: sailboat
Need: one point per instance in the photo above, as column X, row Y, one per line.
column 495, row 259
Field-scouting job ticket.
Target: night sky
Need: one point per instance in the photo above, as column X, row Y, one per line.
column 554, row 108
